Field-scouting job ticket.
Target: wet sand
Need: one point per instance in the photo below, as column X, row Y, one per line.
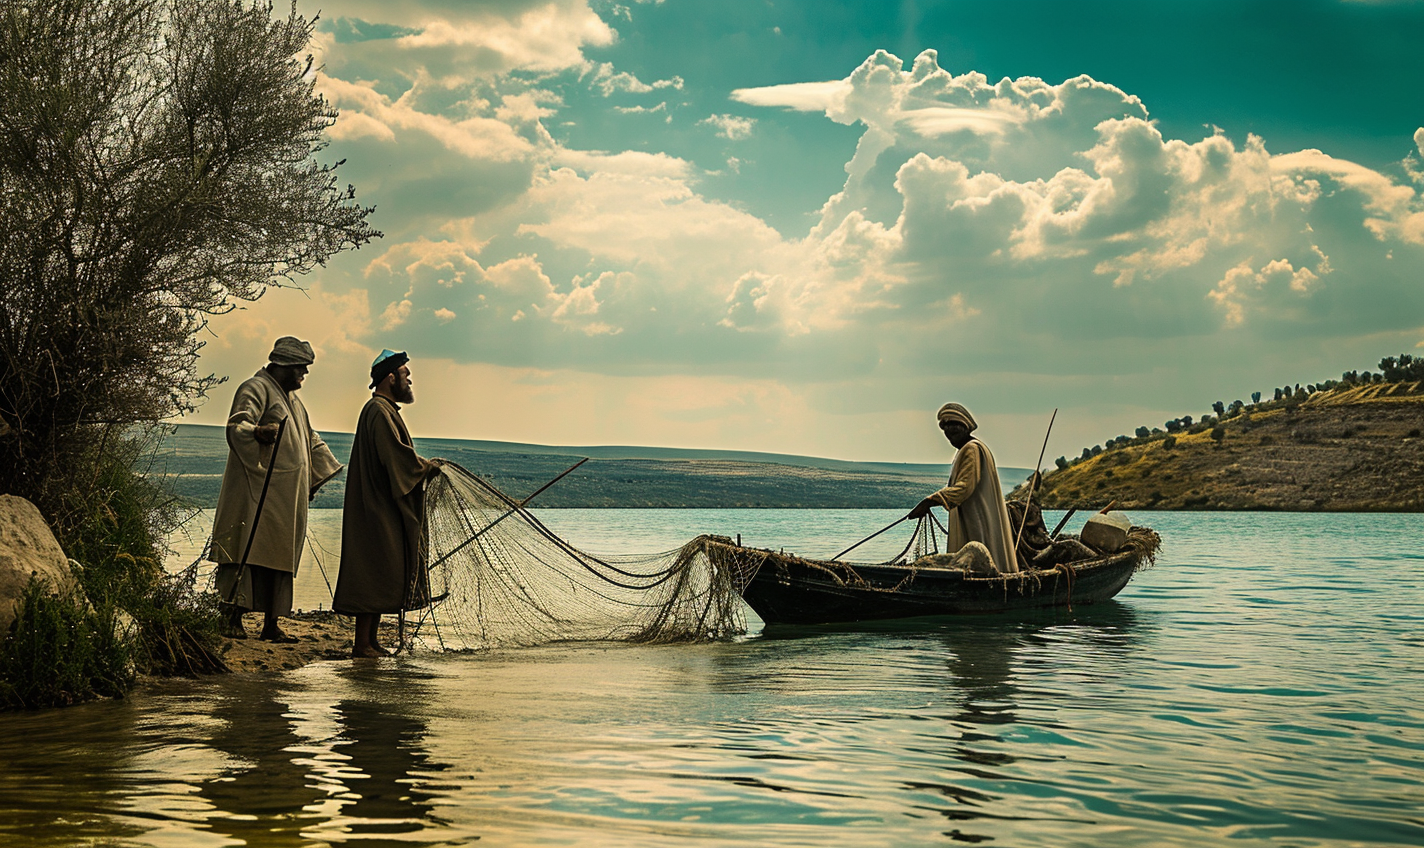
column 321, row 635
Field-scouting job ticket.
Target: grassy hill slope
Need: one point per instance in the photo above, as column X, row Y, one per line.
column 1349, row 448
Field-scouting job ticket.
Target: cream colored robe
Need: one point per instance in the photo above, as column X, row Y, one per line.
column 303, row 463
column 976, row 506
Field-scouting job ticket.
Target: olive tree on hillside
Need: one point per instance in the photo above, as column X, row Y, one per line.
column 157, row 166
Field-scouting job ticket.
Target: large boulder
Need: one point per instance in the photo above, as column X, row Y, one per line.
column 27, row 547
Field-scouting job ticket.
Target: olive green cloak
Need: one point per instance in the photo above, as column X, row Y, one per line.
column 383, row 565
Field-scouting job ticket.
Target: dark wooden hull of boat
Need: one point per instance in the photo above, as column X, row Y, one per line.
column 785, row 589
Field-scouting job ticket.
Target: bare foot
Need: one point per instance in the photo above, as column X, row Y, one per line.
column 369, row 652
column 276, row 635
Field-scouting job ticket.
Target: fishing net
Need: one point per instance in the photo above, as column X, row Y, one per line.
column 498, row 577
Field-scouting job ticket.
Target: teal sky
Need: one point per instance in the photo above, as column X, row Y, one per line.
column 801, row 226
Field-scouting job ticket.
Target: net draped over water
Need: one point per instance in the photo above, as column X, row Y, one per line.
column 498, row 577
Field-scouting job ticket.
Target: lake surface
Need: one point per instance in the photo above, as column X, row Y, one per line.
column 1263, row 684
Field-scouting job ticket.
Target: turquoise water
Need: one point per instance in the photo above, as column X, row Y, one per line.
column 1261, row 685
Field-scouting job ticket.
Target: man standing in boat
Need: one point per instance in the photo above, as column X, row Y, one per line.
column 973, row 498
column 382, row 545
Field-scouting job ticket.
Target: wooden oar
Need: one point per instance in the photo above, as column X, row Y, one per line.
column 1033, row 482
column 1067, row 515
column 868, row 538
column 517, row 507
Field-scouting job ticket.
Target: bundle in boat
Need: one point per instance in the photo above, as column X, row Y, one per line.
column 500, row 578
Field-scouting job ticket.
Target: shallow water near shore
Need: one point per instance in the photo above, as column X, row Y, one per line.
column 1260, row 685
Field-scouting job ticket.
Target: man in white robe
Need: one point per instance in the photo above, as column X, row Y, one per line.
column 258, row 549
column 973, row 497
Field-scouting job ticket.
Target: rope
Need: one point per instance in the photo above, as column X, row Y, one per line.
column 1072, row 575
column 314, row 546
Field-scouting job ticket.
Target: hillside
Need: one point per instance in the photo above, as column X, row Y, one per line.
column 1348, row 448
column 191, row 463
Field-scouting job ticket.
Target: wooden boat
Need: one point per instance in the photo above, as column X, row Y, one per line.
column 787, row 589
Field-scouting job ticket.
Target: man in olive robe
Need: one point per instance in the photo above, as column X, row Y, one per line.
column 973, row 497
column 383, row 567
column 260, row 526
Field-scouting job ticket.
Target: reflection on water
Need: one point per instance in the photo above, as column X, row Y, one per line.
column 296, row 767
column 381, row 781
column 1259, row 686
column 262, row 794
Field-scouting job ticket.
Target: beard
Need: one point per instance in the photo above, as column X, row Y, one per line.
column 403, row 394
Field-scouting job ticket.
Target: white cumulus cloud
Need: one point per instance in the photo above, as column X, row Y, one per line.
column 731, row 127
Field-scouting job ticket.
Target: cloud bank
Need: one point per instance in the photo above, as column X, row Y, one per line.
column 1002, row 240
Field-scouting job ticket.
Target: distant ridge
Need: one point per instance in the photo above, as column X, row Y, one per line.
column 615, row 476
column 1347, row 448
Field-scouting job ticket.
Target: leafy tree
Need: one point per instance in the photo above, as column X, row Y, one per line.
column 1143, row 432
column 1255, row 398
column 1218, row 434
column 1186, row 421
column 1174, row 425
column 158, row 165
column 1061, row 463
column 1401, row 369
column 1219, row 408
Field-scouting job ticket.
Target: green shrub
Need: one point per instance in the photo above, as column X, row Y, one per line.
column 61, row 651
column 65, row 650
column 121, row 539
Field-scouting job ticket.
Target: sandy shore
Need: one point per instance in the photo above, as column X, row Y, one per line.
column 320, row 636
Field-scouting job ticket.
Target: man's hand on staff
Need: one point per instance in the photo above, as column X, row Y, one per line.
column 266, row 433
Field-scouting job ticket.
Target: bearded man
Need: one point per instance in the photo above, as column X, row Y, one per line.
column 261, row 523
column 382, row 545
column 973, row 497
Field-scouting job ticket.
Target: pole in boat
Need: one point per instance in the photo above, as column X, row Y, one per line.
column 261, row 499
column 1067, row 515
column 1033, row 483
column 868, row 538
column 507, row 514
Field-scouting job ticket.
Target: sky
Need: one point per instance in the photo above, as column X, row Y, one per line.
column 799, row 226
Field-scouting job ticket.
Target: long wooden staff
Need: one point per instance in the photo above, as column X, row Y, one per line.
column 1033, row 483
column 261, row 499
column 868, row 538
column 517, row 507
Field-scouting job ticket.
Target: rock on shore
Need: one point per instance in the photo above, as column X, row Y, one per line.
column 27, row 547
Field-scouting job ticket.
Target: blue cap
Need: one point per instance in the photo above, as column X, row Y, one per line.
column 387, row 363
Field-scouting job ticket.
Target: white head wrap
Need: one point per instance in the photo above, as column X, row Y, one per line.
column 956, row 412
